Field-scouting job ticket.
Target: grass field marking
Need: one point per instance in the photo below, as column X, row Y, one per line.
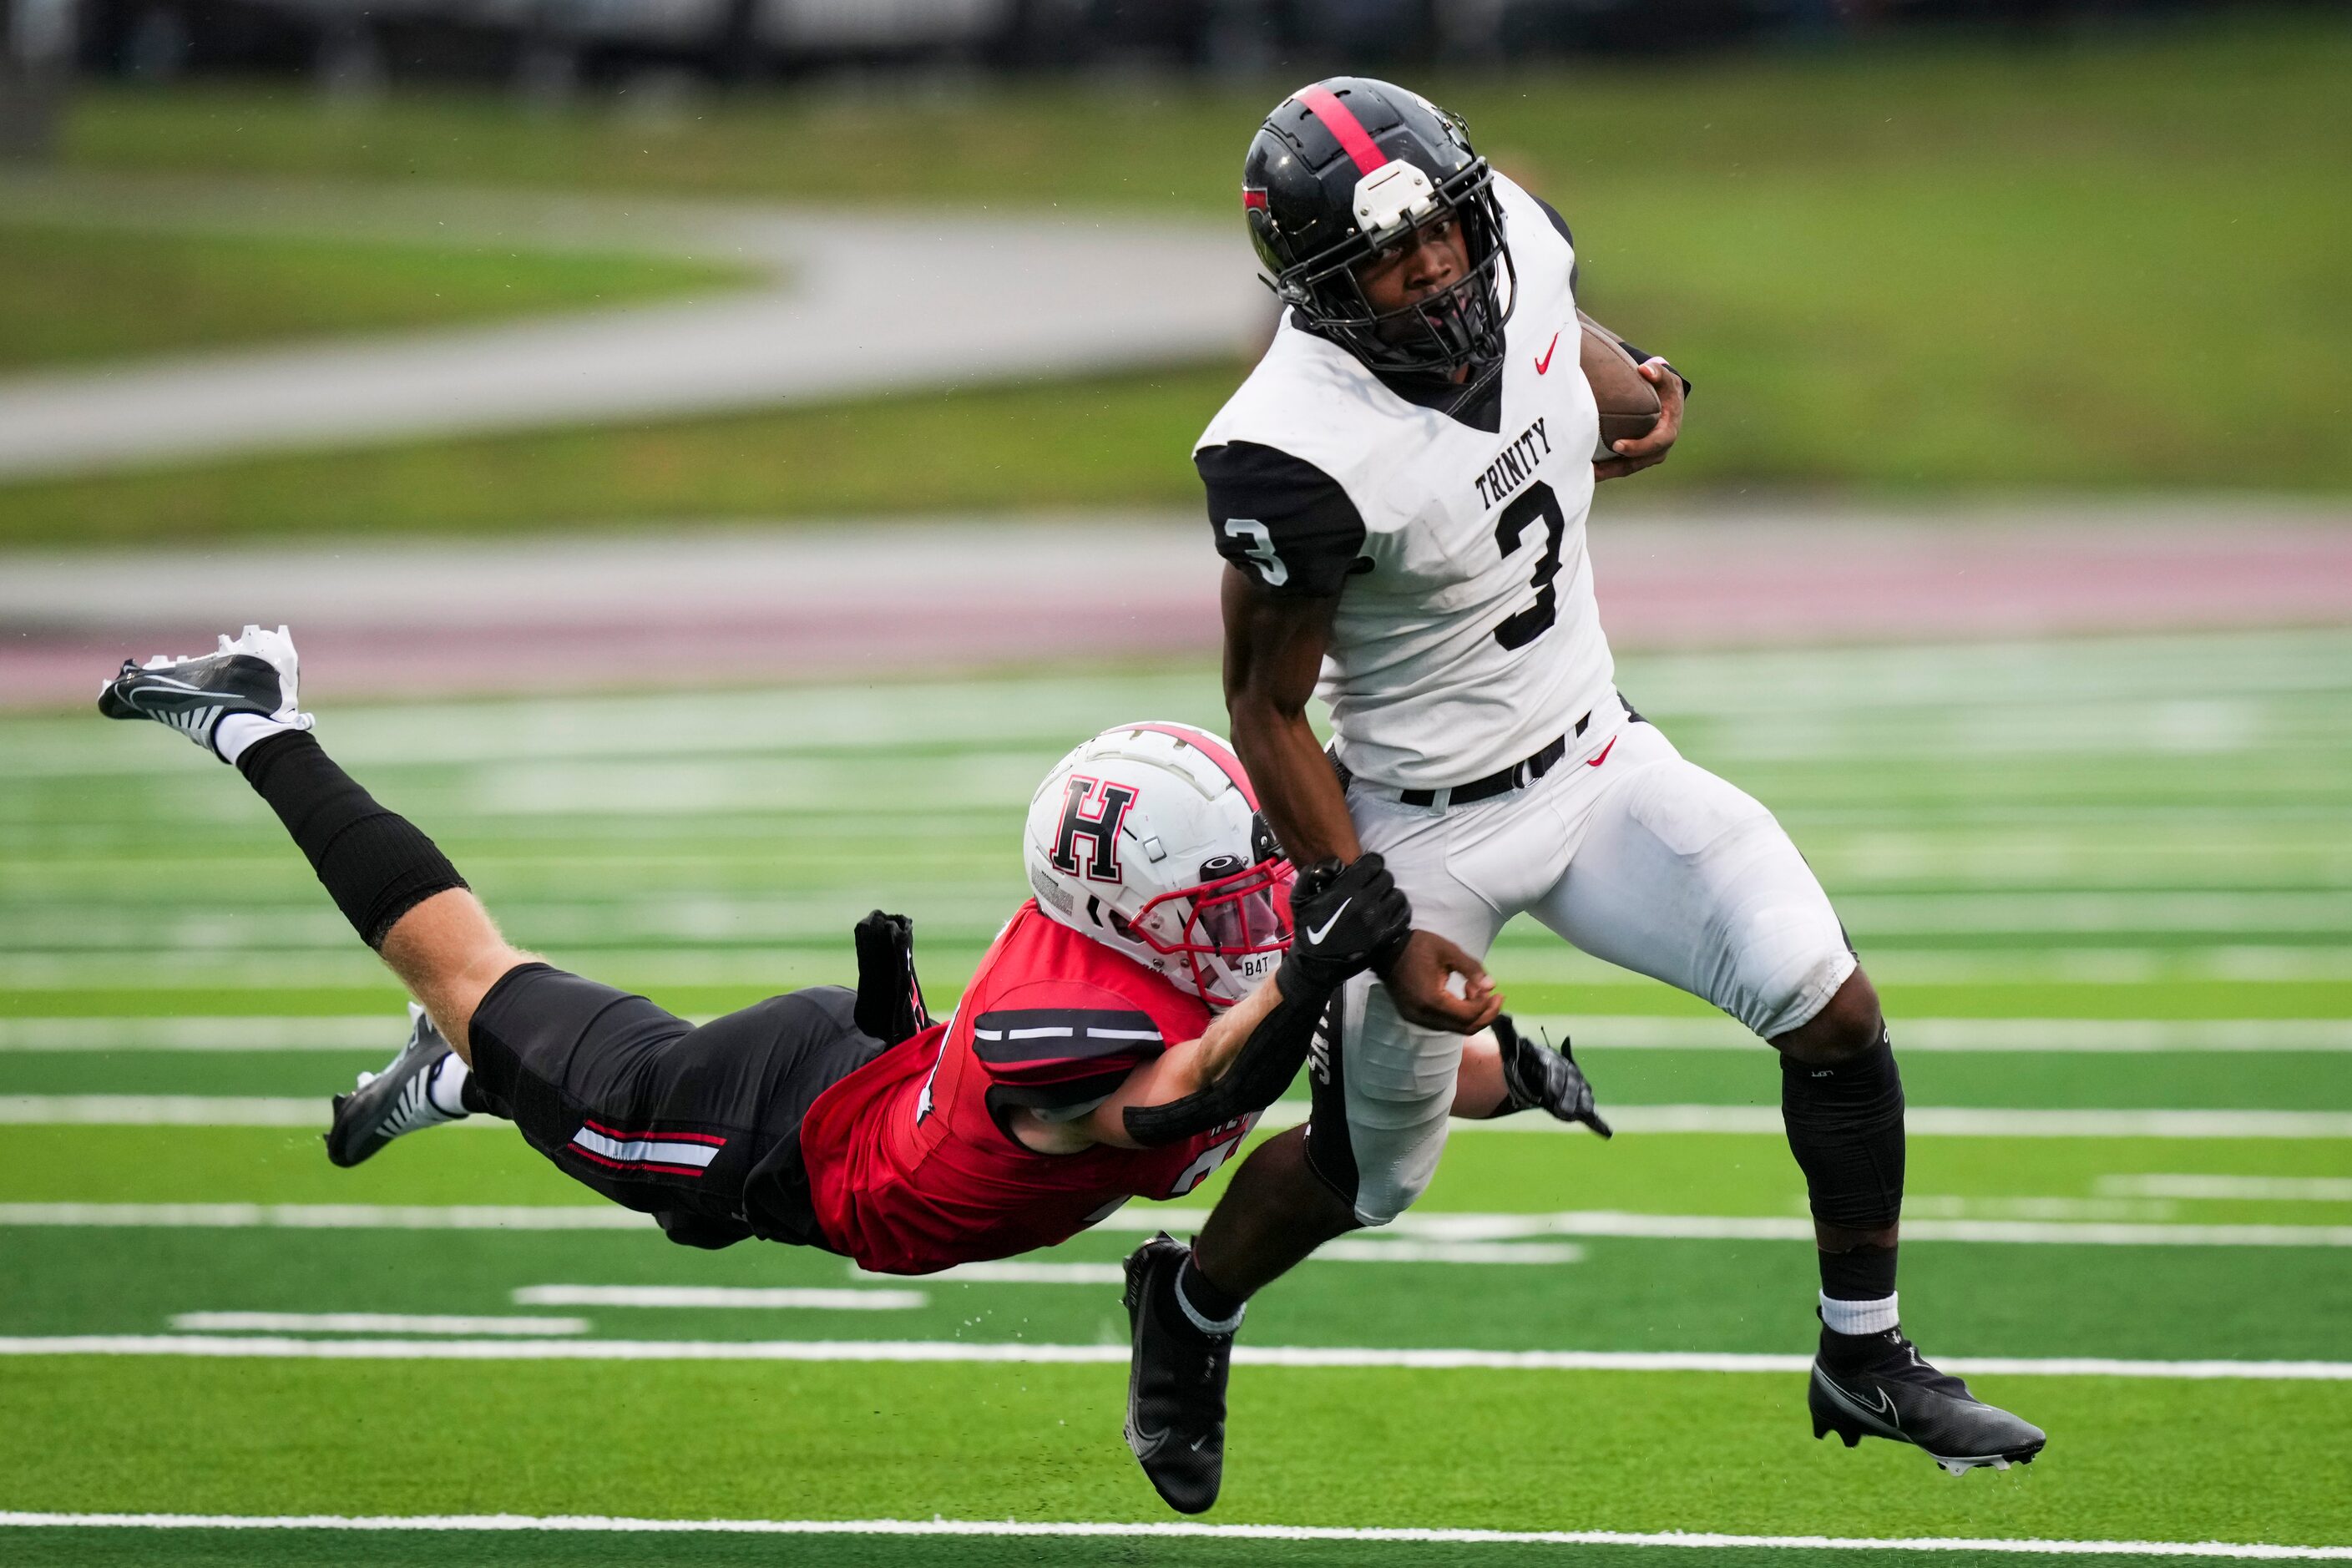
column 1612, row 1032
column 1919, row 1120
column 341, row 1032
column 1644, row 1032
column 328, row 1216
column 181, row 1110
column 760, row 1297
column 374, row 1324
column 1499, row 1227
column 2260, row 1189
column 1447, row 1227
column 1525, row 1253
column 1955, row 1121
column 1019, row 1273
column 268, row 1347
column 1171, row 1528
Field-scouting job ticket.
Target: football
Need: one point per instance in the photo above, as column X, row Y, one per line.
column 1629, row 405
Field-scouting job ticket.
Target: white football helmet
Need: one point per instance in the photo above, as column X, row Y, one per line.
column 1147, row 838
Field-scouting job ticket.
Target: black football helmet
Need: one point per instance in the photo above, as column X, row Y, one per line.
column 1344, row 169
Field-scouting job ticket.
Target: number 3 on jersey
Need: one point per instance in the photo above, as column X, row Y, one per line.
column 1260, row 549
column 1536, row 500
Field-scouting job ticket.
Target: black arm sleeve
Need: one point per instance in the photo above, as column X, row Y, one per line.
column 1283, row 521
column 1262, row 1069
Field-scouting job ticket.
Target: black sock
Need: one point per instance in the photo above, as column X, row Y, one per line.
column 1210, row 1302
column 374, row 863
column 1860, row 1274
column 1845, row 1128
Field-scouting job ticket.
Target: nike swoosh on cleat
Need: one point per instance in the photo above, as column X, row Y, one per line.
column 1884, row 1410
column 1317, row 933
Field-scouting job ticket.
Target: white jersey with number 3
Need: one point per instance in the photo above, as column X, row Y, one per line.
column 1465, row 635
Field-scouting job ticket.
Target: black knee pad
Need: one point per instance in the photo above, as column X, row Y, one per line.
column 1845, row 1128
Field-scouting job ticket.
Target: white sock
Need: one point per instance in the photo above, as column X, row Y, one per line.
column 446, row 1091
column 1858, row 1317
column 237, row 732
column 1205, row 1324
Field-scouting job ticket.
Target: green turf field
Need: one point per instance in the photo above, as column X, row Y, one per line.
column 2107, row 887
column 78, row 294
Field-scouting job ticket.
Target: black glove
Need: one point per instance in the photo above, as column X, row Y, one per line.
column 1536, row 1075
column 889, row 998
column 1342, row 919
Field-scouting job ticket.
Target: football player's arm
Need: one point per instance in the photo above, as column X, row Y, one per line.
column 1274, row 653
column 1342, row 917
column 1650, row 450
column 1674, row 387
column 1186, row 1070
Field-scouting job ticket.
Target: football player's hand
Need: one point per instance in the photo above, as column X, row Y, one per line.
column 1650, row 450
column 1421, row 982
column 1535, row 1075
column 1343, row 918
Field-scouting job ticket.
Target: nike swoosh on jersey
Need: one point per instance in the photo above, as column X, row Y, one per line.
column 1317, row 933
column 1544, row 364
column 1596, row 762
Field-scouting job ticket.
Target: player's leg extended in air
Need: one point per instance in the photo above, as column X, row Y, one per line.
column 632, row 1101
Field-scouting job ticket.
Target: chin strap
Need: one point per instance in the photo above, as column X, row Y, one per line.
column 1262, row 1069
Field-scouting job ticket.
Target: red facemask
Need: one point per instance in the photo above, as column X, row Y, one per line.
column 1235, row 917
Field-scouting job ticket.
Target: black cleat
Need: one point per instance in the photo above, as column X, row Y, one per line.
column 395, row 1100
column 254, row 673
column 1175, row 1383
column 1878, row 1385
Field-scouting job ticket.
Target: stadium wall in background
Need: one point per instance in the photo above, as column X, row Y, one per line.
column 542, row 46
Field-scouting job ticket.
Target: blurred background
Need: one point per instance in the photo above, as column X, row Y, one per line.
column 715, row 454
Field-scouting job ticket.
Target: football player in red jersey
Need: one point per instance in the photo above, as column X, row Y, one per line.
column 1118, row 1040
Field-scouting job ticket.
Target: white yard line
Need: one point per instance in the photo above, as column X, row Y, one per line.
column 180, row 1111
column 1167, row 1529
column 1920, row 1120
column 720, row 1295
column 1606, row 1032
column 1292, row 1357
column 2037, row 1035
column 1454, row 1227
column 331, row 1217
column 1523, row 1254
column 2258, row 1189
column 1174, row 1530
column 374, row 1324
column 341, row 1032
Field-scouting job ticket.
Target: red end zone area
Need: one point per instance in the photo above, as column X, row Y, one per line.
column 738, row 607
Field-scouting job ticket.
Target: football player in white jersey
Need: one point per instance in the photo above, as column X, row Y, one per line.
column 1399, row 492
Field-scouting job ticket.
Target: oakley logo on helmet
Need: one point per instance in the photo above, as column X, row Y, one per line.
column 1093, row 810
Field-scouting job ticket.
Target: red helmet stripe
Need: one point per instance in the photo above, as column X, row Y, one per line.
column 1344, row 125
column 1213, row 749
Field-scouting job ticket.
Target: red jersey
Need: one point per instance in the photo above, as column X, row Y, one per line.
column 912, row 1163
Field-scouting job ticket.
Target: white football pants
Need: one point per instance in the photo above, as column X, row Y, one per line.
column 1626, row 851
